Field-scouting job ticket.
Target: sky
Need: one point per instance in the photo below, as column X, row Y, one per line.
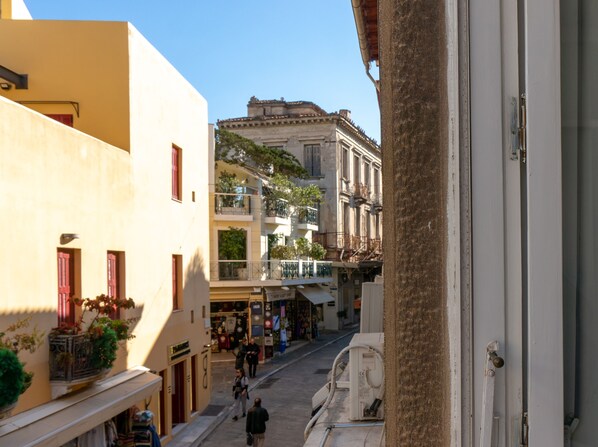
column 231, row 50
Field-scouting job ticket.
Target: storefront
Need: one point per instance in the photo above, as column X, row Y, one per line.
column 230, row 316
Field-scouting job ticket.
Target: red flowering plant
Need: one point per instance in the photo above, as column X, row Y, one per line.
column 103, row 331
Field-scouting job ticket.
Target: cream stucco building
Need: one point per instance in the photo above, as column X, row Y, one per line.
column 124, row 173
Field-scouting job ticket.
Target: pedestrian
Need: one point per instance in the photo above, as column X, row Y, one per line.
column 256, row 422
column 241, row 353
column 253, row 356
column 240, row 393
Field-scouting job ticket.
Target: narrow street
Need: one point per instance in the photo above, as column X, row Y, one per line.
column 286, row 394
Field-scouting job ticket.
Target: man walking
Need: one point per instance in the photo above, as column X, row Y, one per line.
column 256, row 422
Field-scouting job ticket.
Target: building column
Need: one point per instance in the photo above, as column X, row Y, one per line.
column 415, row 154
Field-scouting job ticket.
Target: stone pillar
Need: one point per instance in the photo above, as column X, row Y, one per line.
column 413, row 100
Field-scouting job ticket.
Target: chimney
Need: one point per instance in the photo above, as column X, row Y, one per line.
column 345, row 113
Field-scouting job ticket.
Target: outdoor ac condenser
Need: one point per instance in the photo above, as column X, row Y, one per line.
column 366, row 377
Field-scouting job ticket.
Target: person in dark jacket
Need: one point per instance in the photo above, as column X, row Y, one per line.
column 253, row 356
column 256, row 422
column 241, row 353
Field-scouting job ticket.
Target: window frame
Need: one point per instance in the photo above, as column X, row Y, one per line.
column 177, row 173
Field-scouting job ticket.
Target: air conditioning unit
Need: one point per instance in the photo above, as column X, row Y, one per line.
column 366, row 377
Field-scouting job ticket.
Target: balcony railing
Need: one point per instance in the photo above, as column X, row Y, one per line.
column 308, row 215
column 361, row 192
column 71, row 358
column 269, row 270
column 349, row 247
column 232, row 203
column 277, row 208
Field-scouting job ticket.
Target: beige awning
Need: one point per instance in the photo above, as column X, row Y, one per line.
column 316, row 294
column 61, row 420
column 278, row 293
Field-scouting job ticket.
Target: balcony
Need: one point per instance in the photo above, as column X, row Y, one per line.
column 361, row 193
column 232, row 206
column 348, row 247
column 71, row 363
column 376, row 203
column 277, row 211
column 308, row 218
column 274, row 270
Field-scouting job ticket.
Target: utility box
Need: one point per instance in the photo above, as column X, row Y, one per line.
column 366, row 377
column 372, row 307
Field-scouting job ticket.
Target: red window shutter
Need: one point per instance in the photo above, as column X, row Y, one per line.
column 65, row 119
column 175, row 173
column 66, row 307
column 113, row 280
column 175, row 289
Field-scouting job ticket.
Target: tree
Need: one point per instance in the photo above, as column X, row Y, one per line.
column 281, row 187
column 241, row 151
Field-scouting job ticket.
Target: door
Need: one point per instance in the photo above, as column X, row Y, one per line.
column 178, row 393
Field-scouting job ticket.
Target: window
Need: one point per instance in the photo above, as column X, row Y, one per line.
column 65, row 119
column 356, row 170
column 366, row 174
column 345, row 161
column 66, row 286
column 114, row 277
column 176, row 173
column 177, row 279
column 311, row 156
column 376, row 181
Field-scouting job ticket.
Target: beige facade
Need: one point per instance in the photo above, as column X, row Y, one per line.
column 109, row 180
column 247, row 287
column 346, row 165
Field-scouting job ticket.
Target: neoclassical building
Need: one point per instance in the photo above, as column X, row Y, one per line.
column 346, row 165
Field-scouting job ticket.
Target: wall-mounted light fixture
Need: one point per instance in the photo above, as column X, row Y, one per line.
column 65, row 238
column 300, row 286
column 5, row 86
column 284, row 288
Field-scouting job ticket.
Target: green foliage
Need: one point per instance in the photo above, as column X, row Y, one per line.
column 232, row 244
column 103, row 331
column 14, row 339
column 302, row 248
column 105, row 345
column 12, row 377
column 241, row 151
column 281, row 187
column 228, row 183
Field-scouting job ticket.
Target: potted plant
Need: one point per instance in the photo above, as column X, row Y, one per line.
column 91, row 344
column 14, row 378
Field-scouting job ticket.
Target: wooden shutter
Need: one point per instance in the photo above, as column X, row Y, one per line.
column 66, row 307
column 175, row 284
column 176, row 193
column 113, row 280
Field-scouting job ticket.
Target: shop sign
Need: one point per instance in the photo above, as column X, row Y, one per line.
column 269, row 341
column 179, row 350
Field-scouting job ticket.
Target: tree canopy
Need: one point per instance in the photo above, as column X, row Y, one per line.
column 235, row 149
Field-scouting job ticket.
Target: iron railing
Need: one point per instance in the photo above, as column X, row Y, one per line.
column 361, row 191
column 348, row 246
column 232, row 203
column 269, row 270
column 308, row 215
column 277, row 208
column 71, row 358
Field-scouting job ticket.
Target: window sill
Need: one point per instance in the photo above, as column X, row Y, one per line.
column 174, row 199
column 176, row 311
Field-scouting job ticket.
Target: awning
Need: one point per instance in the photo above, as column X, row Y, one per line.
column 59, row 421
column 278, row 293
column 316, row 294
